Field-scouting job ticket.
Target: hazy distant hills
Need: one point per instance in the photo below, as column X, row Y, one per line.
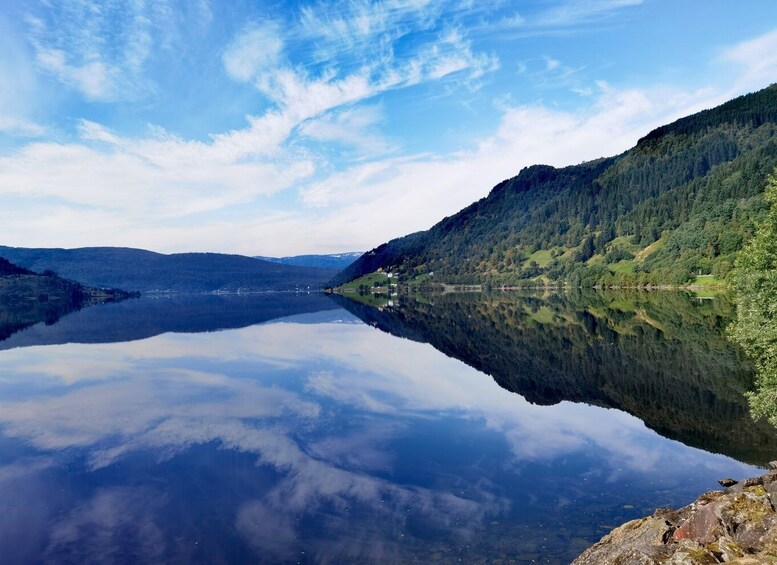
column 146, row 271
column 337, row 261
column 679, row 204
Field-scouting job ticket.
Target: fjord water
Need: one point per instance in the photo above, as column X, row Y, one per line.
column 304, row 429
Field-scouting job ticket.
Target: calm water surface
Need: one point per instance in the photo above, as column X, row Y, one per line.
column 312, row 430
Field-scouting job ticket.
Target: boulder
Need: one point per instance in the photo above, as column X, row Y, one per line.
column 738, row 525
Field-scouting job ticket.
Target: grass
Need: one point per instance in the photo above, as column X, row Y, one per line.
column 542, row 316
column 596, row 260
column 624, row 266
column 369, row 280
column 623, row 242
column 542, row 257
column 652, row 248
column 708, row 280
column 622, row 305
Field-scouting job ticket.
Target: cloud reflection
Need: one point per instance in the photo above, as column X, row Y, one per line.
column 321, row 407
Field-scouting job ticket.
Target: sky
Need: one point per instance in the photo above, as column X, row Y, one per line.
column 279, row 128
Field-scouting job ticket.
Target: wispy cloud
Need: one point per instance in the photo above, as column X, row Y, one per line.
column 364, row 27
column 321, row 150
column 21, row 127
column 352, row 127
column 755, row 61
column 578, row 12
column 253, row 51
column 98, row 48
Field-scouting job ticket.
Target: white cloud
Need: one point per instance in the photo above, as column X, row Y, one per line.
column 755, row 61
column 94, row 79
column 21, row 127
column 577, row 12
column 139, row 185
column 140, row 180
column 514, row 21
column 398, row 196
column 256, row 49
column 364, row 27
column 98, row 48
column 155, row 190
column 18, row 86
column 354, row 127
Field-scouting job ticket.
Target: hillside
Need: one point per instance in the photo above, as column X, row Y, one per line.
column 146, row 271
column 337, row 261
column 27, row 298
column 680, row 203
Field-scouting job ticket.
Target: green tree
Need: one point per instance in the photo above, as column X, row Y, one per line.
column 755, row 329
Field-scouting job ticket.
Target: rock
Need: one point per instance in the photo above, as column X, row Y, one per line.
column 773, row 464
column 639, row 542
column 702, row 527
column 747, row 483
column 735, row 526
column 727, row 482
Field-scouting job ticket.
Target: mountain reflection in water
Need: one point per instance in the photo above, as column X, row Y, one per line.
column 663, row 357
column 315, row 438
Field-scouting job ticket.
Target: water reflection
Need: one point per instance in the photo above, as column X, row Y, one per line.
column 294, row 441
column 663, row 357
column 154, row 315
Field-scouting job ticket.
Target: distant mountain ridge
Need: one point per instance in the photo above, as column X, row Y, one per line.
column 337, row 261
column 147, row 271
column 679, row 204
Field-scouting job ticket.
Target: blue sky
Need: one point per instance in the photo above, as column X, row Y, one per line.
column 278, row 128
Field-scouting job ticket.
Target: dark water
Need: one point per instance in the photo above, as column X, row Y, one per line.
column 304, row 429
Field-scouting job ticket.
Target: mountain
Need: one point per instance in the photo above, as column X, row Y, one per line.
column 145, row 271
column 661, row 357
column 679, row 204
column 337, row 261
column 27, row 298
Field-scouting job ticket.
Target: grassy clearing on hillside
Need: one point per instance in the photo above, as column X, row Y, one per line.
column 542, row 257
column 624, row 266
column 708, row 280
column 652, row 248
column 623, row 242
column 371, row 280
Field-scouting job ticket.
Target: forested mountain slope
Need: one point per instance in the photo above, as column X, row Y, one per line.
column 680, row 203
column 144, row 271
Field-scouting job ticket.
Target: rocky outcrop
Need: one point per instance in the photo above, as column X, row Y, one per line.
column 737, row 525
